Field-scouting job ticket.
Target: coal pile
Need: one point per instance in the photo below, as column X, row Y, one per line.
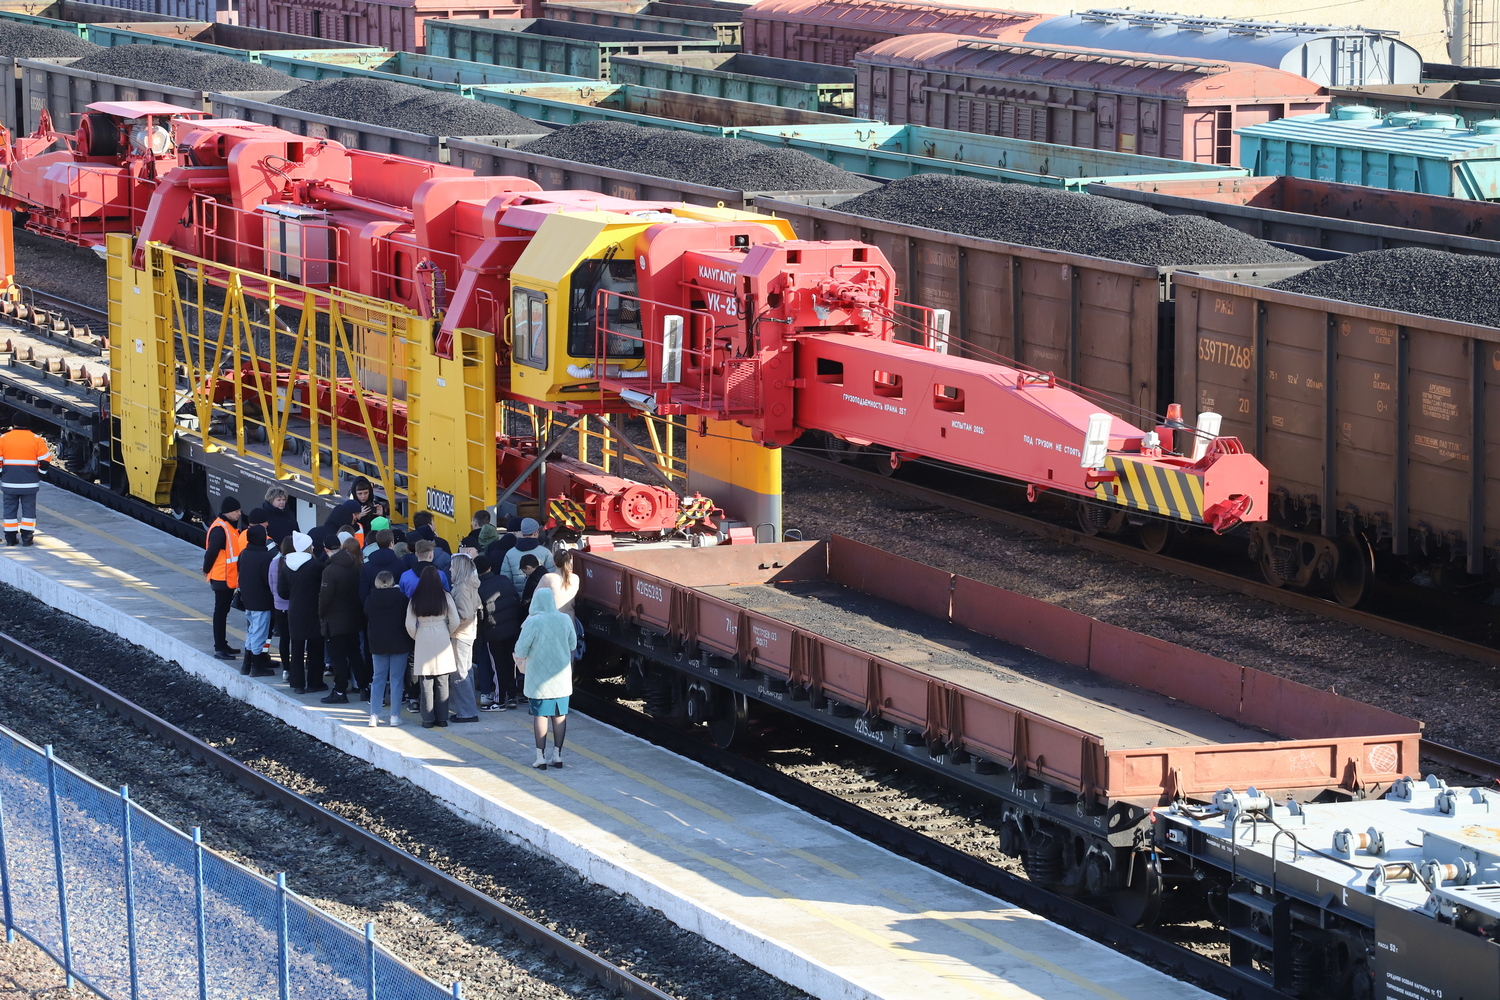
column 184, row 68
column 737, row 164
column 1061, row 220
column 403, row 106
column 1430, row 282
column 29, row 41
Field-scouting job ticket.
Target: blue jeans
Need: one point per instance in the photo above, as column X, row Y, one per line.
column 390, row 675
column 257, row 631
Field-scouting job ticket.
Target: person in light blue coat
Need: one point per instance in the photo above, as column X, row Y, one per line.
column 544, row 653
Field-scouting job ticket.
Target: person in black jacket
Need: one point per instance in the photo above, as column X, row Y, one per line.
column 532, row 572
column 281, row 519
column 342, row 617
column 300, row 581
column 360, row 507
column 382, row 560
column 499, row 626
column 390, row 645
column 255, row 595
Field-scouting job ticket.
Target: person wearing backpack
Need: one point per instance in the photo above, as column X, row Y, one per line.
column 500, row 625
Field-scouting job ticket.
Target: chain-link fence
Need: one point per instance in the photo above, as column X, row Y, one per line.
column 134, row 909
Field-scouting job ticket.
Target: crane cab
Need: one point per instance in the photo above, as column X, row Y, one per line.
column 624, row 262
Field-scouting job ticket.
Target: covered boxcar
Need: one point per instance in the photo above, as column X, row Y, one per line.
column 832, row 31
column 396, row 26
column 1184, row 109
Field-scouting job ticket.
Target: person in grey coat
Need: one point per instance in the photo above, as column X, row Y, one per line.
column 465, row 577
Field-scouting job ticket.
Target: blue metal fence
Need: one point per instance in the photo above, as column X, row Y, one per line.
column 134, row 909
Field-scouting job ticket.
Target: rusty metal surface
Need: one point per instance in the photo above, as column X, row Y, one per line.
column 683, row 593
column 1089, row 320
column 890, row 577
column 1391, row 446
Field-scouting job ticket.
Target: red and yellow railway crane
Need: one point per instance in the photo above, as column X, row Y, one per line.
column 438, row 295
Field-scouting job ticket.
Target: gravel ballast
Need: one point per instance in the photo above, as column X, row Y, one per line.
column 415, row 924
column 1061, row 220
column 184, row 68
column 1430, row 282
column 403, row 106
column 736, row 164
column 30, row 41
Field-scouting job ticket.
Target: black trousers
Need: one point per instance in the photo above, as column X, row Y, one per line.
column 305, row 667
column 344, row 660
column 503, row 655
column 223, row 598
column 283, row 633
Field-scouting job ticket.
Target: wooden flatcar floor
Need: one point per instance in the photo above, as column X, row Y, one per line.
column 1122, row 715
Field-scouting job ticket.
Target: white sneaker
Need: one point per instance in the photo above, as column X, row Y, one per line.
column 374, row 720
column 541, row 759
column 395, row 718
column 554, row 757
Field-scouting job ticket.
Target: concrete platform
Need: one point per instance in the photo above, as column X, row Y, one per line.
column 803, row 900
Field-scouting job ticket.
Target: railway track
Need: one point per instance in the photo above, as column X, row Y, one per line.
column 619, row 981
column 1130, row 553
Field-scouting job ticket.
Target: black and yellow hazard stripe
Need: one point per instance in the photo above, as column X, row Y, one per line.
column 1156, row 489
column 568, row 512
column 694, row 509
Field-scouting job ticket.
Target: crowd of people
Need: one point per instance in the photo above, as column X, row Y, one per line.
column 361, row 610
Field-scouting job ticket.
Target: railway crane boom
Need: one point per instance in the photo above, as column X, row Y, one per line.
column 607, row 304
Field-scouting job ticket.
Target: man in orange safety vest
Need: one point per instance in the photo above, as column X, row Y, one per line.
column 221, row 557
column 23, row 459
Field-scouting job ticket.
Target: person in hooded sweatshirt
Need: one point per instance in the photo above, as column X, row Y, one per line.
column 381, row 559
column 528, row 544
column 360, row 507
column 421, row 527
column 544, row 653
column 299, row 581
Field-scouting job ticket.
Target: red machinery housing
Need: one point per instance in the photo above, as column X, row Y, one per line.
column 730, row 319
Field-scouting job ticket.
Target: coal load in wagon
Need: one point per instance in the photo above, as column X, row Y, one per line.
column 190, row 70
column 1452, row 286
column 735, row 164
column 30, row 41
column 403, row 106
column 1061, row 220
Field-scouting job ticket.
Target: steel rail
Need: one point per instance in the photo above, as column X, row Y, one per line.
column 1192, row 571
column 56, row 303
column 608, row 974
column 1461, row 760
column 1078, row 916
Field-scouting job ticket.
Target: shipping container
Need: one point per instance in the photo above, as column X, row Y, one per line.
column 1184, row 109
column 416, row 69
column 1407, row 151
column 895, row 151
column 1329, row 56
column 1340, row 217
column 570, row 103
column 400, row 27
column 830, row 32
column 496, row 158
column 740, row 76
column 1381, row 429
column 1091, row 321
column 355, row 135
column 582, row 50
column 655, row 15
column 1103, row 717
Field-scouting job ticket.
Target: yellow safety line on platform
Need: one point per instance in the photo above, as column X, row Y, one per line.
column 739, row 874
column 150, row 590
column 146, row 553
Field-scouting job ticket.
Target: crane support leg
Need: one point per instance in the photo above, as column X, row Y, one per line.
column 742, row 476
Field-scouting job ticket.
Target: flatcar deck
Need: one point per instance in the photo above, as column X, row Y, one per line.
column 1120, row 714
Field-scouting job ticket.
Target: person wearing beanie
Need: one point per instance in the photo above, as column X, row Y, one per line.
column 377, row 525
column 503, row 543
column 257, row 599
column 221, row 556
column 24, row 457
column 529, row 543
